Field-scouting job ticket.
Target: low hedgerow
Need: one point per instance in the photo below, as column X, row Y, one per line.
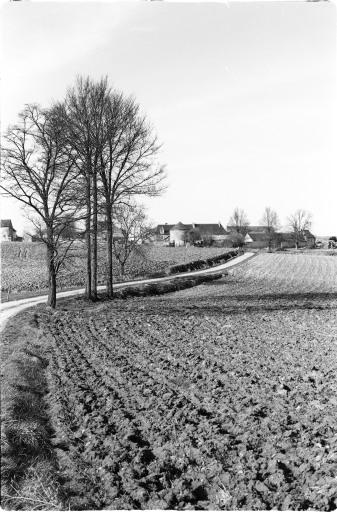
column 163, row 287
column 203, row 264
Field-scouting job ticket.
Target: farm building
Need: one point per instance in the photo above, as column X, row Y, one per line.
column 254, row 237
column 288, row 240
column 162, row 233
column 258, row 239
column 182, row 234
column 8, row 233
column 309, row 238
column 332, row 242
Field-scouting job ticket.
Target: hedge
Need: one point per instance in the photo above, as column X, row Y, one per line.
column 203, row 264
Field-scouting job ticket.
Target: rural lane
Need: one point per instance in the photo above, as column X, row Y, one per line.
column 9, row 309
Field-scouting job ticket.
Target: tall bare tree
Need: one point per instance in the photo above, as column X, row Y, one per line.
column 299, row 221
column 128, row 165
column 38, row 169
column 271, row 222
column 83, row 113
column 239, row 221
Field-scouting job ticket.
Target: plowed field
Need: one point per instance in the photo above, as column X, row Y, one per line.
column 218, row 397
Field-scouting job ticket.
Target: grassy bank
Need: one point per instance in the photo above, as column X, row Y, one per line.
column 28, row 465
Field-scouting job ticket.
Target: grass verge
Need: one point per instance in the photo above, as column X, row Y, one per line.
column 28, row 465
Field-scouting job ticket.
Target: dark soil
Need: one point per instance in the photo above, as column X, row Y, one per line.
column 202, row 399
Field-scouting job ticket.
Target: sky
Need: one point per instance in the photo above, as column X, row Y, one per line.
column 242, row 95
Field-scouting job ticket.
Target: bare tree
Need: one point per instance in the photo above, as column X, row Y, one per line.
column 131, row 221
column 239, row 221
column 116, row 151
column 271, row 222
column 39, row 170
column 299, row 222
column 83, row 113
column 128, row 165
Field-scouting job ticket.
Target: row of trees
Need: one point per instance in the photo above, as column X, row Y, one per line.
column 297, row 222
column 92, row 154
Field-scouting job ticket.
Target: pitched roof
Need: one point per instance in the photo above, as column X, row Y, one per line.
column 259, row 236
column 251, row 229
column 166, row 227
column 211, row 229
column 237, row 229
column 308, row 234
column 6, row 223
column 289, row 236
column 203, row 229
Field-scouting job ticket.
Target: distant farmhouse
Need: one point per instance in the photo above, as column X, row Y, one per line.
column 287, row 240
column 255, row 237
column 7, row 233
column 185, row 234
column 259, row 237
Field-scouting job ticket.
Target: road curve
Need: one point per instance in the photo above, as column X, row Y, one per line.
column 9, row 309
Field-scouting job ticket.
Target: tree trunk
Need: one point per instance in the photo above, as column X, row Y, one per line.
column 88, row 292
column 123, row 268
column 94, row 239
column 51, row 278
column 109, row 281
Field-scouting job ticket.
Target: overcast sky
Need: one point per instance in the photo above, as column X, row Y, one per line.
column 242, row 95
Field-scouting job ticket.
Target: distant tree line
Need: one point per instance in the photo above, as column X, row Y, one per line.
column 93, row 153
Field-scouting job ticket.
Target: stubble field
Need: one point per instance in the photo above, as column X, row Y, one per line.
column 218, row 397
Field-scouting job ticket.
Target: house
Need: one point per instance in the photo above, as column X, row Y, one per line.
column 234, row 240
column 161, row 234
column 332, row 242
column 309, row 238
column 259, row 239
column 184, row 234
column 7, row 231
column 305, row 239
